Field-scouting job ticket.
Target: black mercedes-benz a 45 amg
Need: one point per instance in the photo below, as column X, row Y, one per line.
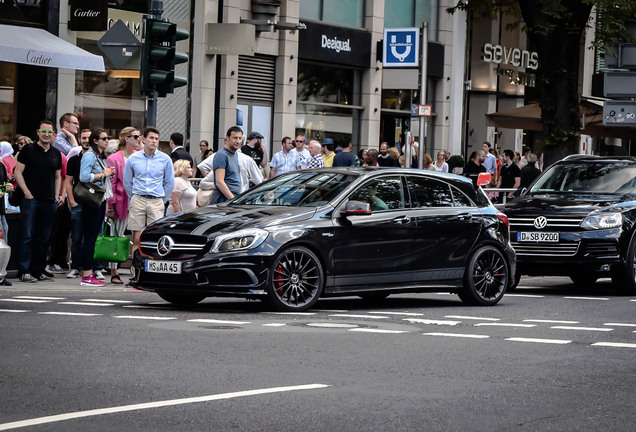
column 331, row 232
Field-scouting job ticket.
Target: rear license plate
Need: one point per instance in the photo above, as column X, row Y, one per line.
column 548, row 237
column 171, row 267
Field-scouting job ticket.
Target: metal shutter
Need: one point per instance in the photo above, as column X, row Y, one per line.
column 256, row 80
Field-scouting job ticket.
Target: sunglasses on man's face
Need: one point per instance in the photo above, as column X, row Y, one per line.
column 134, row 136
column 103, row 138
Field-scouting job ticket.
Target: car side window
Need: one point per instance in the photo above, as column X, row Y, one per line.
column 427, row 192
column 385, row 193
column 460, row 199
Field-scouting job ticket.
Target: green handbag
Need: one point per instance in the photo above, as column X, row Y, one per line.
column 111, row 248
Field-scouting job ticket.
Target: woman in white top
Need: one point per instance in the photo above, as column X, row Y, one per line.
column 184, row 196
column 440, row 163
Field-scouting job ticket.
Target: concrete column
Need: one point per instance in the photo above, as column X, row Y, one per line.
column 65, row 77
column 372, row 80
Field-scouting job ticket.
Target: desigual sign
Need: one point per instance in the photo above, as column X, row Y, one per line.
column 512, row 56
column 332, row 44
column 335, row 44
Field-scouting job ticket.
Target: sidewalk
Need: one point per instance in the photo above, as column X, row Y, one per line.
column 62, row 283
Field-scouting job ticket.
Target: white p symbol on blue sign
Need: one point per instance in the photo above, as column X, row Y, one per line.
column 401, row 47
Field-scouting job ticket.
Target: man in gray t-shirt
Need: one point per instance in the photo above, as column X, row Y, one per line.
column 227, row 176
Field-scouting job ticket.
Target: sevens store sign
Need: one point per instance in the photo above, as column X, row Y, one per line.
column 401, row 47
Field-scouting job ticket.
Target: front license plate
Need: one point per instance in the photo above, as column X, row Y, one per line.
column 171, row 267
column 549, row 237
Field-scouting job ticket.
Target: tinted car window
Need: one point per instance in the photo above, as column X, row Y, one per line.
column 461, row 200
column 385, row 193
column 426, row 192
column 304, row 189
column 605, row 177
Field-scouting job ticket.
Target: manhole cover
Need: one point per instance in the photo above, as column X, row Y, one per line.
column 332, row 325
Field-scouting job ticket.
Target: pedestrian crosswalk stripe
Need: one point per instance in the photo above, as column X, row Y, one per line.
column 534, row 340
column 69, row 313
column 615, row 344
column 458, row 335
column 581, row 328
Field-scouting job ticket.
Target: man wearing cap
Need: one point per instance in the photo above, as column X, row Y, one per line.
column 328, row 152
column 303, row 152
column 285, row 160
column 253, row 148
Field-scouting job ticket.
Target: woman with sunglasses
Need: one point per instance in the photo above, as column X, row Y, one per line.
column 93, row 169
column 129, row 139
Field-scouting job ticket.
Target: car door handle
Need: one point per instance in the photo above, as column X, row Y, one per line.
column 403, row 220
column 465, row 216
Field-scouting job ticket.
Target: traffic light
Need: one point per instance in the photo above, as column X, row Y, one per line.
column 159, row 56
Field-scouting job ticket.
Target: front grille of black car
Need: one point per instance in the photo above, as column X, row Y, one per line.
column 554, row 223
column 545, row 249
column 185, row 246
column 601, row 249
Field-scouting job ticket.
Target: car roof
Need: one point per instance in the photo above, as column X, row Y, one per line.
column 365, row 171
column 595, row 158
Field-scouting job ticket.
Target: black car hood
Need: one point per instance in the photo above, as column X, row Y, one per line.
column 565, row 204
column 213, row 220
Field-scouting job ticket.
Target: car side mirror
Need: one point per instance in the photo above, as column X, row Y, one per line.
column 484, row 179
column 357, row 208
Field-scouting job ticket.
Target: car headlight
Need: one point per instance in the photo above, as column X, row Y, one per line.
column 602, row 221
column 240, row 240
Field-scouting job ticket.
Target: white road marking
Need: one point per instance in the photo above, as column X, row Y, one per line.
column 213, row 321
column 503, row 325
column 620, row 324
column 434, row 322
column 332, row 325
column 25, row 301
column 68, row 313
column 107, row 301
column 471, row 318
column 275, row 325
column 144, row 317
column 458, row 335
column 551, row 321
column 151, row 405
column 357, row 316
column 143, row 307
column 399, row 313
column 588, row 298
column 533, row 340
column 85, row 304
column 294, row 313
column 444, row 293
column 365, row 330
column 40, row 298
column 615, row 344
column 581, row 328
column 524, row 295
column 13, row 310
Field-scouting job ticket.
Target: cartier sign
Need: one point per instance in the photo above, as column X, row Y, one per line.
column 88, row 15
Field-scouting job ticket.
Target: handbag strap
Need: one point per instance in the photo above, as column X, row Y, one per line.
column 109, row 221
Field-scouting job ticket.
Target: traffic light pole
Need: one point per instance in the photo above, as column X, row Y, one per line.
column 156, row 9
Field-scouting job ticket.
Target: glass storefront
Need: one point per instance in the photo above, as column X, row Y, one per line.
column 7, row 100
column 328, row 101
column 341, row 12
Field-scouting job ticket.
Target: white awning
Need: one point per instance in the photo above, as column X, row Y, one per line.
column 38, row 47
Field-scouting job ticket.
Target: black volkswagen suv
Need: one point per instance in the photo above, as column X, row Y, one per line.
column 578, row 219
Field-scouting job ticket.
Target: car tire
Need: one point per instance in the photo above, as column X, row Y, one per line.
column 624, row 280
column 485, row 278
column 295, row 281
column 181, row 299
column 583, row 279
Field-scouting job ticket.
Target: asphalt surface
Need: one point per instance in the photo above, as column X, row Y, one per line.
column 549, row 357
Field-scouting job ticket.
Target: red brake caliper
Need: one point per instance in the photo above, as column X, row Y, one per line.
column 278, row 280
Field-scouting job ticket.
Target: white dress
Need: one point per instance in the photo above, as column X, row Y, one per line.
column 188, row 195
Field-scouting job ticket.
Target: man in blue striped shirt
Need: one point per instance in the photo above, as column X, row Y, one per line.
column 148, row 181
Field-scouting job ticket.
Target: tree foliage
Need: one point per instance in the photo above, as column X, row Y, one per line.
column 555, row 30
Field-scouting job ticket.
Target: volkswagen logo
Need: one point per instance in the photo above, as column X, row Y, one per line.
column 539, row 223
column 164, row 245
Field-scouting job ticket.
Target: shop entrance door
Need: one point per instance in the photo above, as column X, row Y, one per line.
column 393, row 127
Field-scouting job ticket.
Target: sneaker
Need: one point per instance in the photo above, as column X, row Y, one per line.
column 45, row 278
column 26, row 277
column 73, row 274
column 55, row 269
column 48, row 274
column 91, row 280
column 99, row 274
column 5, row 282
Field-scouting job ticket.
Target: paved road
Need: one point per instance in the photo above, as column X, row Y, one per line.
column 548, row 357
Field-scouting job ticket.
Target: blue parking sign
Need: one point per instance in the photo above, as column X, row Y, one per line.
column 401, row 47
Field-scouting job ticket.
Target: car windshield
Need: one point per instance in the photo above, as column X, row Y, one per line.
column 596, row 178
column 303, row 189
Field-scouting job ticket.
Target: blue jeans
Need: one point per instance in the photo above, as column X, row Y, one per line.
column 5, row 228
column 92, row 221
column 77, row 236
column 37, row 224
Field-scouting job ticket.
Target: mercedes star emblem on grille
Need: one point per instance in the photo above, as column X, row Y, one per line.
column 164, row 245
column 539, row 223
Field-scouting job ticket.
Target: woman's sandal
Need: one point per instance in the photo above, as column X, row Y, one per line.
column 116, row 280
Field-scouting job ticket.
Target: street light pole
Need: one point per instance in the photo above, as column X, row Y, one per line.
column 423, row 80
